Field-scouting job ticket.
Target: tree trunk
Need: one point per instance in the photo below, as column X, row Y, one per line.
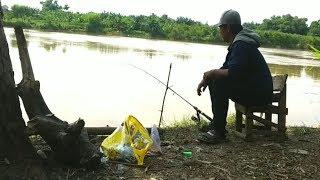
column 14, row 142
column 69, row 142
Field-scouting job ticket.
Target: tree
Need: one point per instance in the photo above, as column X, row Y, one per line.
column 69, row 142
column 285, row 23
column 315, row 28
column 14, row 142
column 154, row 27
column 94, row 23
column 251, row 25
column 23, row 11
column 66, row 7
column 52, row 5
column 185, row 20
column 5, row 8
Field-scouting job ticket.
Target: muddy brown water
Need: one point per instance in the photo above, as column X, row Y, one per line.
column 91, row 77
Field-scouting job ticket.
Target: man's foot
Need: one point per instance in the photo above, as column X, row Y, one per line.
column 212, row 137
column 206, row 127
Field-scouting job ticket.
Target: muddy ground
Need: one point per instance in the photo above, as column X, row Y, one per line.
column 267, row 157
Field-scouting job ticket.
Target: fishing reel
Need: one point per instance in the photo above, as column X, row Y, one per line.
column 196, row 118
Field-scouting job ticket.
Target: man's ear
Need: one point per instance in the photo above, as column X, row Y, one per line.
column 228, row 28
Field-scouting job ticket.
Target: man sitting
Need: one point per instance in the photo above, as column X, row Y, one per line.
column 244, row 76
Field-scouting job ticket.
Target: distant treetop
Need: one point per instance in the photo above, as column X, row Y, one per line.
column 52, row 5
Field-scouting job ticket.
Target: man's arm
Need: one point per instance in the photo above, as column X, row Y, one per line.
column 213, row 74
column 237, row 65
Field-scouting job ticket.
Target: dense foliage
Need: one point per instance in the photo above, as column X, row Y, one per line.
column 315, row 28
column 286, row 24
column 279, row 31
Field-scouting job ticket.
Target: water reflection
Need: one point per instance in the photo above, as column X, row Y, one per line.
column 14, row 43
column 313, row 72
column 182, row 57
column 289, row 55
column 64, row 50
column 13, row 40
column 295, row 70
column 49, row 46
column 105, row 48
column 150, row 53
column 13, row 35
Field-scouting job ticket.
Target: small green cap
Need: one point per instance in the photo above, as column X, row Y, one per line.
column 187, row 154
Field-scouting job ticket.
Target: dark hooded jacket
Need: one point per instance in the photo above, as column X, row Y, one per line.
column 248, row 70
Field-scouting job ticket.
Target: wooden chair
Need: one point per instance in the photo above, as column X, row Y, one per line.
column 277, row 107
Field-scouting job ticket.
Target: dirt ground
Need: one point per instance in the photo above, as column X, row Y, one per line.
column 298, row 157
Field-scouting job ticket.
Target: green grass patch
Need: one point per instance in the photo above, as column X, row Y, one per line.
column 301, row 130
column 186, row 130
column 187, row 122
column 231, row 120
column 316, row 52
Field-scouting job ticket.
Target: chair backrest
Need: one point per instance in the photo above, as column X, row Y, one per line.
column 279, row 82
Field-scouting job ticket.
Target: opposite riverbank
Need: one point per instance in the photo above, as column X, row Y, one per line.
column 291, row 33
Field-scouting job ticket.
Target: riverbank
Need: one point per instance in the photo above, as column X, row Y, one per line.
column 148, row 27
column 266, row 158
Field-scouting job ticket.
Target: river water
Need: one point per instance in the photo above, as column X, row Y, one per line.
column 91, row 77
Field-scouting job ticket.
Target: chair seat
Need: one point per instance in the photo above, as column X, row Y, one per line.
column 262, row 109
column 250, row 109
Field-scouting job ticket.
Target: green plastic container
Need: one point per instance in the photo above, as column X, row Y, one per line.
column 187, row 154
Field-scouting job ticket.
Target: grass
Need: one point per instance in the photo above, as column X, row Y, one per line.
column 301, row 130
column 316, row 52
column 187, row 122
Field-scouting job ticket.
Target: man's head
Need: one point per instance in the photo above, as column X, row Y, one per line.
column 230, row 25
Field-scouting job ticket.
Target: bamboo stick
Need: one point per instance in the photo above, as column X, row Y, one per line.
column 164, row 97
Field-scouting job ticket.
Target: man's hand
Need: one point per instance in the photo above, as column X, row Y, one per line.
column 202, row 86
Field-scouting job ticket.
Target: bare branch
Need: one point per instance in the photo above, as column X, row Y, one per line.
column 24, row 55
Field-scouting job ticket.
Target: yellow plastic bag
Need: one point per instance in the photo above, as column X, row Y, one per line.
column 129, row 142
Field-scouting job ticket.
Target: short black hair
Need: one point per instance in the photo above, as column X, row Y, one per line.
column 236, row 28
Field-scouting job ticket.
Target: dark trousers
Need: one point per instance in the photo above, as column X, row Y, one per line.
column 221, row 90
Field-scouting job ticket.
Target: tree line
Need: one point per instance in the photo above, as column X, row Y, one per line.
column 279, row 31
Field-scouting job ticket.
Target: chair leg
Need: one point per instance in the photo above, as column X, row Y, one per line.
column 282, row 125
column 282, row 117
column 238, row 121
column 248, row 127
column 269, row 119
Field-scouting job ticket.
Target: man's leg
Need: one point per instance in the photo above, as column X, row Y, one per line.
column 219, row 94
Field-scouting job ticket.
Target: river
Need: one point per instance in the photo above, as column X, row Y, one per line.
column 91, row 77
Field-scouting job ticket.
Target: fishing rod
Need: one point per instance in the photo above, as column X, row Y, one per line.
column 194, row 107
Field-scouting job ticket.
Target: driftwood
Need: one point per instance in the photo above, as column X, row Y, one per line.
column 15, row 146
column 69, row 142
column 14, row 143
column 95, row 130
